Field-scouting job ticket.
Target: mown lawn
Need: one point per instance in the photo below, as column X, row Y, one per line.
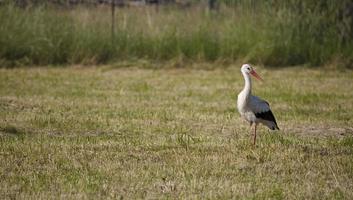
column 173, row 133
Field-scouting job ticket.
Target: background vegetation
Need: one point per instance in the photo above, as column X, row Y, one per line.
column 267, row 32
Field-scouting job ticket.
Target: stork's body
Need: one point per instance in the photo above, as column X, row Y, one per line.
column 252, row 108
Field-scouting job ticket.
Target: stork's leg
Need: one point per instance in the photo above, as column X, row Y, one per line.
column 255, row 134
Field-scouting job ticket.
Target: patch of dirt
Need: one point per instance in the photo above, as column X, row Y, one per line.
column 318, row 131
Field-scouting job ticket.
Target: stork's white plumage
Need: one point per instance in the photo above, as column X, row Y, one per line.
column 252, row 108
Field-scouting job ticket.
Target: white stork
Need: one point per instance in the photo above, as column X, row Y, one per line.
column 252, row 108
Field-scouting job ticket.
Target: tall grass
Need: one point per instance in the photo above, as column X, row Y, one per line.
column 266, row 34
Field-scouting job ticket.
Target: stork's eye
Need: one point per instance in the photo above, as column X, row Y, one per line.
column 249, row 68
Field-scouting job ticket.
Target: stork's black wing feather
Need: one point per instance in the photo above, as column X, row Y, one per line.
column 267, row 115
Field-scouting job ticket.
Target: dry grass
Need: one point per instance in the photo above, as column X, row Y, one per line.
column 145, row 133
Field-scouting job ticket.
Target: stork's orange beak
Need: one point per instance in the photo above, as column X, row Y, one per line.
column 256, row 75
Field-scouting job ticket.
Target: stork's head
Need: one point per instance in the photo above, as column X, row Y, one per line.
column 247, row 69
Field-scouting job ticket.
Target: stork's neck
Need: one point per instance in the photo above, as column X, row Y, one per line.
column 247, row 87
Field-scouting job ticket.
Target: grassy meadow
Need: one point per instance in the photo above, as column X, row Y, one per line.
column 149, row 112
column 278, row 33
column 131, row 133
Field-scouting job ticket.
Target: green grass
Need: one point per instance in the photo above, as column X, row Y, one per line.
column 132, row 133
column 286, row 34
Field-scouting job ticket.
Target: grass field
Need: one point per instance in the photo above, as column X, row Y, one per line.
column 130, row 133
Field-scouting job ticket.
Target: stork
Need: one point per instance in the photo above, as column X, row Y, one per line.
column 252, row 108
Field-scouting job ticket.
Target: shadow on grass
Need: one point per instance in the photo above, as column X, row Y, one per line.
column 12, row 130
